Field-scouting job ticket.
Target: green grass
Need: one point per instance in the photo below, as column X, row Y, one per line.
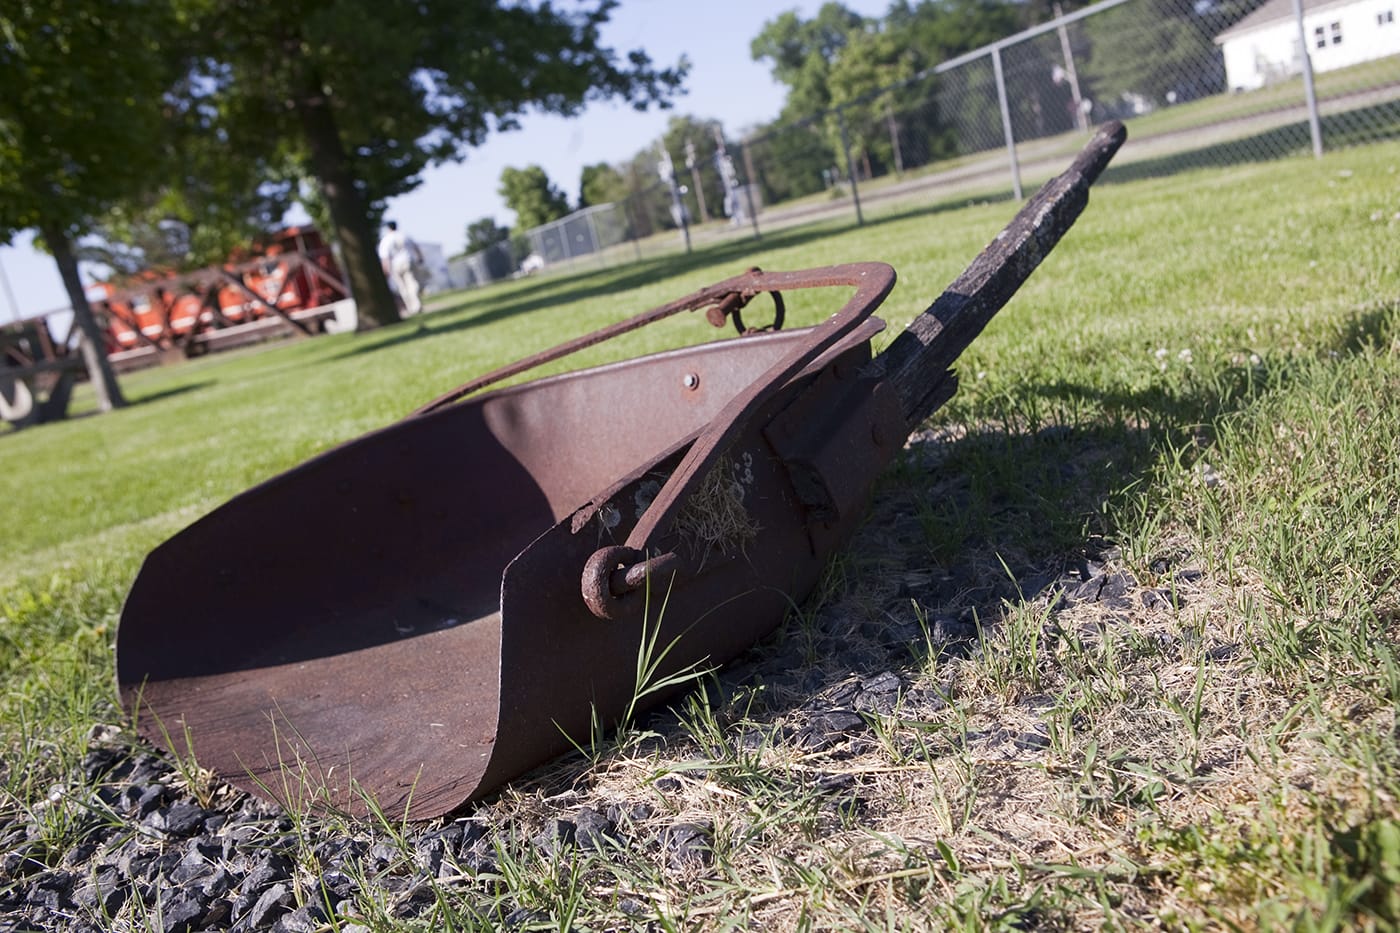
column 1234, row 106
column 1196, row 390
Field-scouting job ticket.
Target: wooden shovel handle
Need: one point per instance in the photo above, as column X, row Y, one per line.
column 916, row 363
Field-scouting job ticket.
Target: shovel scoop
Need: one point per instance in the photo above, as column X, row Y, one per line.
column 416, row 617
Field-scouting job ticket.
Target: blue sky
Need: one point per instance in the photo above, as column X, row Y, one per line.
column 724, row 84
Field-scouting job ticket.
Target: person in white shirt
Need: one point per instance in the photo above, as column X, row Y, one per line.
column 398, row 254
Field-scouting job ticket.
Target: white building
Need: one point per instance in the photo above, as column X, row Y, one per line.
column 1263, row 47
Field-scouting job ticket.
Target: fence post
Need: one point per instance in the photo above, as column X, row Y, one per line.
column 1081, row 120
column 593, row 232
column 1309, row 91
column 1006, row 121
column 850, row 166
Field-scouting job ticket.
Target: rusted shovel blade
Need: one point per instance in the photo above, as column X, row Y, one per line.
column 415, row 617
column 335, row 634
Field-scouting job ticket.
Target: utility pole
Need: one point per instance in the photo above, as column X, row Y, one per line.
column 667, row 170
column 691, row 164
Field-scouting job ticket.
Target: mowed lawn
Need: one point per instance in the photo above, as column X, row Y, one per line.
column 1193, row 399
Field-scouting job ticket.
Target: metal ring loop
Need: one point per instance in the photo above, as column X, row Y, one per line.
column 779, row 310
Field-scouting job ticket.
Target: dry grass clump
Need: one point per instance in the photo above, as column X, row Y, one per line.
column 714, row 516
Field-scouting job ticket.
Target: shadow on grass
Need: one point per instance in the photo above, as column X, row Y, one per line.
column 556, row 292
column 967, row 522
column 9, row 430
column 163, row 394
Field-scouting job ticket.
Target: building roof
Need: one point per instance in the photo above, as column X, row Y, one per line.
column 1275, row 11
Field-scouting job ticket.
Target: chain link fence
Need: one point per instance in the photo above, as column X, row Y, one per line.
column 1198, row 87
column 1195, row 88
column 667, row 208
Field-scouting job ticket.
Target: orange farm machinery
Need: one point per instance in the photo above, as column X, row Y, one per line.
column 293, row 285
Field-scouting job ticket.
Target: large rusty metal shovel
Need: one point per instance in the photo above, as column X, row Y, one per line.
column 415, row 617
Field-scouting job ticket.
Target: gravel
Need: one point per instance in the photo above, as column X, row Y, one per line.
column 145, row 845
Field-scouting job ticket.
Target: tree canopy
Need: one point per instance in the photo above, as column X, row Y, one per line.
column 600, row 184
column 699, row 133
column 483, row 234
column 368, row 93
column 218, row 195
column 801, row 53
column 83, row 87
column 534, row 198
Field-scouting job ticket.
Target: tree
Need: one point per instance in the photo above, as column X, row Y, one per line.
column 648, row 200
column 937, row 30
column 368, row 93
column 219, row 194
column 862, row 82
column 700, row 133
column 84, row 84
column 801, row 53
column 483, row 234
column 900, row 114
column 601, row 184
column 529, row 192
column 792, row 160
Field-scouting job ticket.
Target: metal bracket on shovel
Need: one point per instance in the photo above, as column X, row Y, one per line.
column 614, row 571
column 408, row 621
column 720, row 301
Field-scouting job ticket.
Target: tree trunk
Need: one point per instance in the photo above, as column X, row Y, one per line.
column 93, row 347
column 348, row 213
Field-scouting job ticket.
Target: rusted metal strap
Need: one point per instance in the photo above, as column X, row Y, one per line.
column 611, row 569
column 721, row 300
column 873, row 281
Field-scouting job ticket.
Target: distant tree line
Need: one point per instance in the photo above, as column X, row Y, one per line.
column 871, row 78
column 634, row 184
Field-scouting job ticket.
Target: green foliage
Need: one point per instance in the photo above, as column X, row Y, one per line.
column 701, row 134
column 406, row 87
column 802, row 52
column 861, row 80
column 843, row 70
column 484, row 233
column 1368, row 856
column 1219, row 15
column 937, row 30
column 81, row 113
column 648, row 203
column 790, row 161
column 601, row 184
column 529, row 192
column 365, row 94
